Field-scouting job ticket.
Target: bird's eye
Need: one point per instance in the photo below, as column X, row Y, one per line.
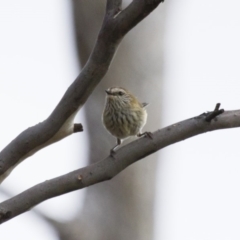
column 120, row 93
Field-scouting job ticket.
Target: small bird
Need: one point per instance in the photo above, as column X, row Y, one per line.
column 123, row 115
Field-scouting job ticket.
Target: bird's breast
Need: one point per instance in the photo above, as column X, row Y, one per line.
column 124, row 122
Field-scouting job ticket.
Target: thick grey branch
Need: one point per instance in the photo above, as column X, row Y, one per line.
column 60, row 123
column 110, row 167
column 113, row 7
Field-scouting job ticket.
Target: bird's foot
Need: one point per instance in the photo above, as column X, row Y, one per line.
column 146, row 134
column 112, row 153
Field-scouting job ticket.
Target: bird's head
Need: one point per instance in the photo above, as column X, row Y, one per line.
column 117, row 94
column 121, row 97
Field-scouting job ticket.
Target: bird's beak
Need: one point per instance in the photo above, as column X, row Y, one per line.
column 107, row 91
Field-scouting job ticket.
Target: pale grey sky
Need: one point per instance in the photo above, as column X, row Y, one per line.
column 198, row 180
column 198, row 197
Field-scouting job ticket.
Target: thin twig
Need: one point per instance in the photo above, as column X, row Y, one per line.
column 211, row 115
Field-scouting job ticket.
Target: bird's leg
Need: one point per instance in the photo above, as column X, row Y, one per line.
column 112, row 151
column 145, row 134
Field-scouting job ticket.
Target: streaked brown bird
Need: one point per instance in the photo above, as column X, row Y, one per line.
column 123, row 114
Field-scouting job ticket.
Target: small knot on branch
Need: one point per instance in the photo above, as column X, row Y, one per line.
column 211, row 115
column 77, row 127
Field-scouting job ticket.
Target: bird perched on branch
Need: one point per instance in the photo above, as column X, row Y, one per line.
column 123, row 115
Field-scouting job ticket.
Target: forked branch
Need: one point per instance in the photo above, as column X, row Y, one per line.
column 60, row 123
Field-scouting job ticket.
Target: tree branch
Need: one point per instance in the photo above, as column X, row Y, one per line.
column 113, row 7
column 60, row 123
column 110, row 167
column 210, row 116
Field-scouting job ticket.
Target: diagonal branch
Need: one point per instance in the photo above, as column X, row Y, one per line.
column 110, row 167
column 60, row 123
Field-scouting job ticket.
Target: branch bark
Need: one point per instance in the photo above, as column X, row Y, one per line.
column 110, row 167
column 60, row 123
